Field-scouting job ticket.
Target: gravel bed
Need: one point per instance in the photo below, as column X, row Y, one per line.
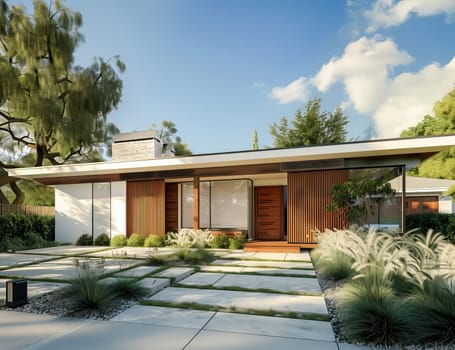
column 55, row 303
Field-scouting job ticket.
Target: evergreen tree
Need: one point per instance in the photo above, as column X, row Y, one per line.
column 255, row 143
column 314, row 127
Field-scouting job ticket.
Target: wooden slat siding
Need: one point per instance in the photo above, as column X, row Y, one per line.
column 269, row 213
column 145, row 207
column 172, row 207
column 196, row 205
column 308, row 197
column 26, row 209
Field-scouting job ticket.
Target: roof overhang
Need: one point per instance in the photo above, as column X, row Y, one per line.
column 402, row 148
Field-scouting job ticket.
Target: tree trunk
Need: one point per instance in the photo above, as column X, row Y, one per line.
column 20, row 197
column 39, row 155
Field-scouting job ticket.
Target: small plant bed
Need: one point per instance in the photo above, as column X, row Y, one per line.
column 182, row 255
column 385, row 289
column 203, row 307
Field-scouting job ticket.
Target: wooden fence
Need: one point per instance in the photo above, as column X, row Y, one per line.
column 26, row 209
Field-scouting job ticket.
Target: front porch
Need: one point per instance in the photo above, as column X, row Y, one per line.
column 277, row 246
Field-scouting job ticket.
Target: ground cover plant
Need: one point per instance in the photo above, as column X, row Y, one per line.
column 397, row 289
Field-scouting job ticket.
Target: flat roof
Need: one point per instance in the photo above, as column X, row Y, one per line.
column 419, row 146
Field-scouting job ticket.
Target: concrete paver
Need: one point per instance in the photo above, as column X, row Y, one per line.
column 265, row 263
column 272, row 326
column 178, row 273
column 64, row 250
column 303, row 256
column 139, row 271
column 203, row 278
column 208, row 340
column 283, row 284
column 278, row 271
column 155, row 284
column 95, row 335
column 21, row 330
column 221, row 268
column 132, row 252
column 165, row 316
column 7, row 259
column 270, row 256
column 244, row 300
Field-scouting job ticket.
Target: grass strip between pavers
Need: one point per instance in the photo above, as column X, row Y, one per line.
column 243, row 289
column 258, row 273
column 203, row 307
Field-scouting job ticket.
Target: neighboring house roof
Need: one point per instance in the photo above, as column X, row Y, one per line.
column 405, row 151
column 416, row 184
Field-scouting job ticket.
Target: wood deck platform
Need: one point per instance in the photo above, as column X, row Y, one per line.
column 276, row 246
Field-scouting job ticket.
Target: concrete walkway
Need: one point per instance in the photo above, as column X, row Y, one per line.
column 143, row 326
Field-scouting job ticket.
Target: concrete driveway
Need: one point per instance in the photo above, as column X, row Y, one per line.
column 234, row 285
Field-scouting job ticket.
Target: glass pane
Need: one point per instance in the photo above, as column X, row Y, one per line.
column 187, row 205
column 204, row 204
column 229, row 204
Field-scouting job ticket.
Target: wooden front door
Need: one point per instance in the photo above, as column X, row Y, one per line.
column 145, row 207
column 269, row 213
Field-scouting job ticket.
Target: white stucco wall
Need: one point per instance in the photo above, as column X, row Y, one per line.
column 118, row 208
column 101, row 208
column 446, row 205
column 89, row 208
column 73, row 211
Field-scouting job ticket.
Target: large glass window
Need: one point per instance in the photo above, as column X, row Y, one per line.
column 225, row 204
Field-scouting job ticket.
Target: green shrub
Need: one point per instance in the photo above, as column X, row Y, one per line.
column 154, row 241
column 220, row 241
column 86, row 291
column 119, row 241
column 433, row 310
column 237, row 242
column 444, row 223
column 129, row 288
column 85, row 239
column 102, row 239
column 371, row 312
column 135, row 240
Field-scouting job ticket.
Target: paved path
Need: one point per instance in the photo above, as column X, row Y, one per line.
column 142, row 327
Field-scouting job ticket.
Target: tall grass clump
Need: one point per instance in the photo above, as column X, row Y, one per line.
column 129, row 288
column 87, row 291
column 187, row 238
column 371, row 312
column 433, row 311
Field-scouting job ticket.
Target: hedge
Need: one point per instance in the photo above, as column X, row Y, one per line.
column 444, row 223
column 25, row 231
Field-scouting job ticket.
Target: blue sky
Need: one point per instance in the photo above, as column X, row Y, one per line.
column 221, row 68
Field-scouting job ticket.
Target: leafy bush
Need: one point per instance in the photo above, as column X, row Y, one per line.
column 129, row 288
column 102, row 239
column 444, row 223
column 237, row 242
column 87, row 291
column 220, row 241
column 433, row 310
column 187, row 238
column 118, row 241
column 135, row 240
column 85, row 239
column 20, row 231
column 154, row 241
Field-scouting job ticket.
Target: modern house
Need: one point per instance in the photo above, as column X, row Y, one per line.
column 271, row 195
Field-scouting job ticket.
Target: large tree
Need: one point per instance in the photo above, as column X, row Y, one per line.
column 313, row 127
column 168, row 133
column 441, row 165
column 51, row 110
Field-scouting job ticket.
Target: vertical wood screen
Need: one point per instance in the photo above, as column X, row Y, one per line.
column 145, row 207
column 308, row 197
column 269, row 213
column 172, row 207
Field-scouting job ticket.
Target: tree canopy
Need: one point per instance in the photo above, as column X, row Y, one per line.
column 51, row 110
column 441, row 165
column 168, row 133
column 313, row 127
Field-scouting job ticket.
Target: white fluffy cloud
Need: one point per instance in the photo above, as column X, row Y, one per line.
column 363, row 69
column 390, row 13
column 366, row 70
column 297, row 90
